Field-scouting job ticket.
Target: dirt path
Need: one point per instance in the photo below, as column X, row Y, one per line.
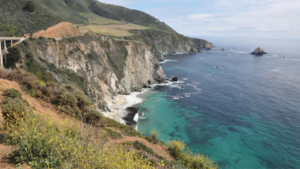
column 161, row 150
column 4, row 164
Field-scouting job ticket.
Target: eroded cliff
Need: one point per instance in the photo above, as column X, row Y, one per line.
column 100, row 66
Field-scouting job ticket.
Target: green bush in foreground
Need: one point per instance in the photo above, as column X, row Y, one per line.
column 13, row 93
column 187, row 158
column 12, row 109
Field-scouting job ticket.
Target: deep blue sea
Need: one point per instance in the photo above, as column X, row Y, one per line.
column 244, row 114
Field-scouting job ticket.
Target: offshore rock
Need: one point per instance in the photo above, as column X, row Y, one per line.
column 259, row 51
column 175, row 79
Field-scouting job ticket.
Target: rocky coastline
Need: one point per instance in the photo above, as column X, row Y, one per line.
column 106, row 68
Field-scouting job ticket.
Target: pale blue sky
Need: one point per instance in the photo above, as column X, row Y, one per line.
column 267, row 19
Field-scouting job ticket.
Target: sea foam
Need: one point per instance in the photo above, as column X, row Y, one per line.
column 168, row 61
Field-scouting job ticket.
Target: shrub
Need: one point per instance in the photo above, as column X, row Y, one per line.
column 13, row 93
column 70, row 88
column 32, row 93
column 67, row 99
column 89, row 115
column 82, row 100
column 29, row 7
column 12, row 57
column 46, row 99
column 153, row 139
column 189, row 159
column 53, row 91
column 176, row 144
column 154, row 136
column 72, row 111
column 153, row 132
column 13, row 109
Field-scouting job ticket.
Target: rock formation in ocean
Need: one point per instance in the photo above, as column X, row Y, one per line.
column 259, row 51
column 175, row 79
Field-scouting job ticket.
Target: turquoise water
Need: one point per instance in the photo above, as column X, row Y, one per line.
column 243, row 115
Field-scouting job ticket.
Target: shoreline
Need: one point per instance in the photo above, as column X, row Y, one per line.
column 122, row 102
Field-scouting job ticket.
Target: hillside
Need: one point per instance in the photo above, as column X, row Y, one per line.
column 19, row 17
column 93, row 12
column 131, row 16
column 24, row 17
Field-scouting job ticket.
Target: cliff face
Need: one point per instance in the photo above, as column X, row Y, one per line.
column 100, row 66
column 162, row 43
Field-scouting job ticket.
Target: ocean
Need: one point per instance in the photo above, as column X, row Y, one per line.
column 241, row 110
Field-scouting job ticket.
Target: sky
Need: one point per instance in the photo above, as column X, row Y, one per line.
column 262, row 19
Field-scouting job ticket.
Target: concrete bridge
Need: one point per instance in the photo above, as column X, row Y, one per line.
column 8, row 42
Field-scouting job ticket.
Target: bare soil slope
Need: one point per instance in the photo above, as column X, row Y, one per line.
column 58, row 31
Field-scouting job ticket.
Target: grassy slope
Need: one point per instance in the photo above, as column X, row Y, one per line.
column 93, row 15
column 78, row 12
column 135, row 16
column 111, row 30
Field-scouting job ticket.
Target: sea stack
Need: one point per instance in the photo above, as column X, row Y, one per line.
column 175, row 79
column 259, row 51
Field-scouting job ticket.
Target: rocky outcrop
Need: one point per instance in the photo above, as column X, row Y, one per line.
column 162, row 43
column 259, row 51
column 63, row 29
column 103, row 67
column 175, row 79
column 100, row 66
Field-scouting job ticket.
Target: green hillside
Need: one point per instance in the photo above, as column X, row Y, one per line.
column 132, row 16
column 94, row 12
column 18, row 17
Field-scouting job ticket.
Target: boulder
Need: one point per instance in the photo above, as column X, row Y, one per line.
column 259, row 51
column 175, row 79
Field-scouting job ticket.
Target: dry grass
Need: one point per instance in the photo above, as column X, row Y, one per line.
column 111, row 30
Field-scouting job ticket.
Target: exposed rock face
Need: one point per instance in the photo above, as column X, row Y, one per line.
column 175, row 79
column 104, row 67
column 162, row 43
column 58, row 31
column 259, row 51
